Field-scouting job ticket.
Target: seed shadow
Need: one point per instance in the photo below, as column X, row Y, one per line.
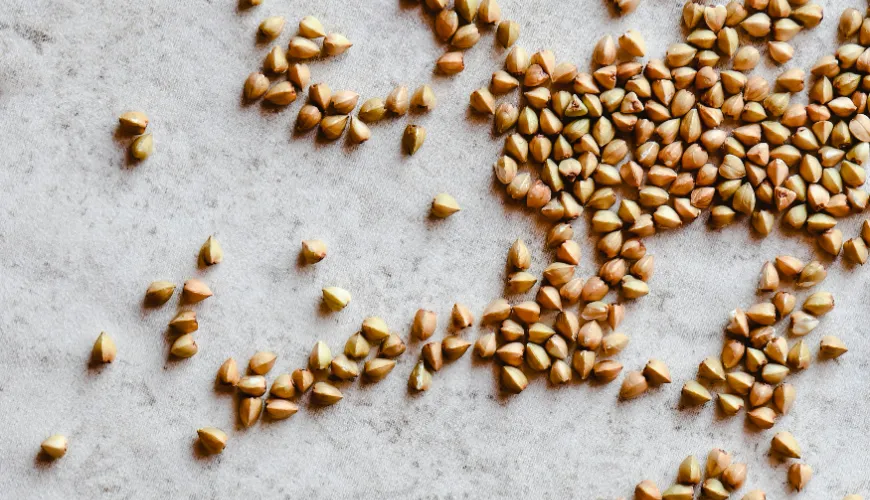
column 749, row 427
column 478, row 118
column 199, row 452
column 43, row 460
column 323, row 310
column 302, row 264
column 223, row 389
column 271, row 109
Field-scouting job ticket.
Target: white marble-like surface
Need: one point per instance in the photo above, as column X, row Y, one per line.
column 83, row 232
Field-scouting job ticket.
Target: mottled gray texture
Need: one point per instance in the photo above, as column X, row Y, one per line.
column 82, row 233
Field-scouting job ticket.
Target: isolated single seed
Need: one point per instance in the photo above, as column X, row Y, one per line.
column 507, row 33
column 357, row 346
column 262, row 362
column 142, row 146
column 392, row 347
column 336, row 298
column 519, row 256
column 252, row 385
column 785, row 444
column 299, row 74
column 343, row 368
column 633, row 385
column 714, row 489
column 489, row 12
column 280, row 409
column 696, row 393
column 433, row 355
column 195, row 291
column 483, row 101
column 313, row 251
column 819, row 303
column 496, row 311
column 309, row 117
column 343, row 101
column 450, row 63
column 832, row 347
column 420, row 379
column 378, row 368
column 717, row 461
column 134, row 122
column 212, row 439
column 250, row 410
column 104, row 349
column 763, row 417
column 302, row 379
column 604, row 52
column 184, row 346
column 184, row 322
column 276, row 61
column 271, row 27
column 423, row 98
column 799, row 475
column 55, row 446
column 335, row 44
column 606, row 370
column 513, row 379
column 159, row 292
column 461, row 316
column 486, row 346
column 228, row 373
column 647, row 490
column 397, row 101
column 444, row 205
column 282, row 387
column 783, row 397
column 324, row 394
column 310, row 27
column 633, row 43
column 679, row 492
column 424, row 324
column 256, row 86
column 320, row 356
column 302, row 48
column 333, row 126
column 413, row 138
column 689, row 471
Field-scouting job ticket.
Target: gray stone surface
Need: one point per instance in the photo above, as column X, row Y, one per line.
column 83, row 232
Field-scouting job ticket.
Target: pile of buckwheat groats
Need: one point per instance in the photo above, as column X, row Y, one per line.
column 644, row 147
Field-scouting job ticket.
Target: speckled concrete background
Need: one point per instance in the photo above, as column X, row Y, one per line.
column 82, row 233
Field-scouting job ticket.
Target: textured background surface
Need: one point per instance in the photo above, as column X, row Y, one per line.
column 82, row 233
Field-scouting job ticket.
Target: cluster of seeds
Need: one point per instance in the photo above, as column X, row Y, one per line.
column 766, row 357
column 721, row 478
column 185, row 322
column 433, row 354
column 135, row 122
column 674, row 110
column 776, row 19
column 458, row 27
column 525, row 336
column 321, row 375
column 280, row 63
column 397, row 103
column 575, row 128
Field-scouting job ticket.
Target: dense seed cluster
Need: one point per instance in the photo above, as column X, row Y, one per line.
column 637, row 145
column 460, row 26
